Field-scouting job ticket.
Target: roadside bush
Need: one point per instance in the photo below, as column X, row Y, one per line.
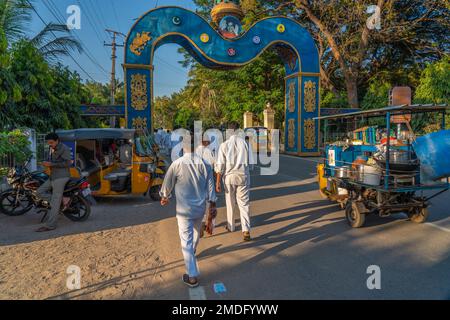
column 15, row 144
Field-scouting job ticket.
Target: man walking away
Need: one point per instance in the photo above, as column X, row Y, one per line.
column 59, row 164
column 233, row 164
column 193, row 181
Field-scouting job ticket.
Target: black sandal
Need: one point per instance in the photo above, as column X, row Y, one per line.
column 190, row 282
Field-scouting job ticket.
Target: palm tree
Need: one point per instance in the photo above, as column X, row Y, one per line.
column 53, row 41
column 51, row 46
column 14, row 15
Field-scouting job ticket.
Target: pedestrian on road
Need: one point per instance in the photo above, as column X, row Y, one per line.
column 233, row 165
column 59, row 163
column 193, row 182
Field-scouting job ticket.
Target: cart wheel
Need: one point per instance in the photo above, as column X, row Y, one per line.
column 354, row 216
column 419, row 215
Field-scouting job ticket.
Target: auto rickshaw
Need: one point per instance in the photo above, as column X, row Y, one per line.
column 115, row 161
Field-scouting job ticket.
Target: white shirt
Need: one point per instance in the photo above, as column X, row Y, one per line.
column 193, row 181
column 233, row 161
column 206, row 154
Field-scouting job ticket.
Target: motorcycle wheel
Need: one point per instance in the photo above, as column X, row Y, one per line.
column 79, row 209
column 13, row 208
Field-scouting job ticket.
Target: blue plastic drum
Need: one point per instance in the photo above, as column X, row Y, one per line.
column 433, row 151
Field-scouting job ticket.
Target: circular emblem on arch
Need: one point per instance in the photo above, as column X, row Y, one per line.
column 232, row 52
column 204, row 38
column 256, row 40
column 281, row 28
column 230, row 27
column 176, row 21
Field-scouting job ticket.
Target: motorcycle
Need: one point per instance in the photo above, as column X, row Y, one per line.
column 22, row 197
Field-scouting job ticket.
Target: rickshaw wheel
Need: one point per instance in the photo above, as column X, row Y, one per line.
column 419, row 215
column 154, row 193
column 355, row 218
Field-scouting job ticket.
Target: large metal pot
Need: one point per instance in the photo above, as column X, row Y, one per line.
column 342, row 172
column 399, row 156
column 400, row 161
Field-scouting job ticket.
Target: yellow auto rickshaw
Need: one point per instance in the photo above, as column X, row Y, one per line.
column 115, row 161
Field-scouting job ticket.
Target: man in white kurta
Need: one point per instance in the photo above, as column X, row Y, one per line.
column 193, row 182
column 233, row 164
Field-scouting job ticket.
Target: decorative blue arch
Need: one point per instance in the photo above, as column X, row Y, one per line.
column 183, row 27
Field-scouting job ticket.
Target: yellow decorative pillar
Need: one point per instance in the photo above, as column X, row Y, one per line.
column 269, row 117
column 248, row 120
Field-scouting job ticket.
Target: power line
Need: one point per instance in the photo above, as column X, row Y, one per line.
column 115, row 14
column 70, row 55
column 100, row 12
column 173, row 67
column 54, row 11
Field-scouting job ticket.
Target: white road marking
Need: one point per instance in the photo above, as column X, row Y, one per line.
column 437, row 227
column 197, row 293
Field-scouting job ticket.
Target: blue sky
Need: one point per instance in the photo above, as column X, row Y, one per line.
column 97, row 15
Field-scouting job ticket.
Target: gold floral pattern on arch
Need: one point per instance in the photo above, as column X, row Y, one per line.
column 140, row 123
column 310, row 134
column 310, row 96
column 139, row 99
column 291, row 97
column 291, row 133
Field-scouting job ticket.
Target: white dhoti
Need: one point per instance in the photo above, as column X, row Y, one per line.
column 238, row 199
column 189, row 230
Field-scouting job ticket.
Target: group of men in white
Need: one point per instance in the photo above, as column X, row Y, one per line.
column 196, row 177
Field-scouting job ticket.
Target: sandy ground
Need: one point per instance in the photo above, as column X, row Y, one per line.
column 118, row 254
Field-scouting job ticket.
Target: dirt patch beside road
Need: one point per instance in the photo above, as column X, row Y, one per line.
column 116, row 250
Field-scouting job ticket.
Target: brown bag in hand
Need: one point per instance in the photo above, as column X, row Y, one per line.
column 211, row 220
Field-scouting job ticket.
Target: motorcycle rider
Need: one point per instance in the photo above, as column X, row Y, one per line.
column 60, row 160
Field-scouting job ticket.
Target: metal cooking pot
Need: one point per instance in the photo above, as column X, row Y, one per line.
column 342, row 172
column 399, row 156
column 395, row 156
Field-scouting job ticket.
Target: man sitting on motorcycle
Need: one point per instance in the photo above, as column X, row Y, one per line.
column 59, row 164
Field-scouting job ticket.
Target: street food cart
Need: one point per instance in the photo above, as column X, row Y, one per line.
column 379, row 168
column 115, row 161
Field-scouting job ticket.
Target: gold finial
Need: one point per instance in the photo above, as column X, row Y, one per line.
column 225, row 8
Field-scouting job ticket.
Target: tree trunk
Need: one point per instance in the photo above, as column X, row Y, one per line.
column 352, row 91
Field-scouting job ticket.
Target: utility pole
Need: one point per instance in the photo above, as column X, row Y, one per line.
column 114, row 46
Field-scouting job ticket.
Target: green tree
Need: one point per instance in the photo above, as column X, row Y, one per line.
column 53, row 41
column 434, row 87
column 10, row 92
column 33, row 75
column 434, row 83
column 412, row 33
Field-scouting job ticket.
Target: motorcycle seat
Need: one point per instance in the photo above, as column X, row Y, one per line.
column 73, row 182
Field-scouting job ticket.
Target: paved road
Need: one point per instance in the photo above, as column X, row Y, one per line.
column 303, row 249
